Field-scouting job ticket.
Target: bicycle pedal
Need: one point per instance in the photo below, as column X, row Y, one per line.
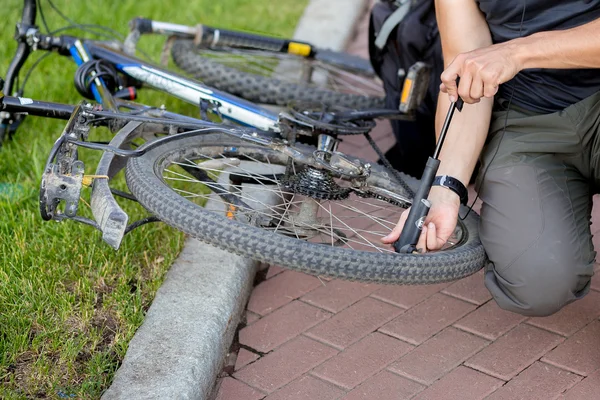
column 415, row 87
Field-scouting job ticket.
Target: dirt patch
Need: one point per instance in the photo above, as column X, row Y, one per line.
column 101, row 288
column 108, row 326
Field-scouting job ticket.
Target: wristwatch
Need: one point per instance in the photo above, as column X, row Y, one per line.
column 453, row 184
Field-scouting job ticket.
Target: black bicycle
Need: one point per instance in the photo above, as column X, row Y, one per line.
column 260, row 193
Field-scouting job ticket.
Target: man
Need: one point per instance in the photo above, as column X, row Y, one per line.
column 541, row 160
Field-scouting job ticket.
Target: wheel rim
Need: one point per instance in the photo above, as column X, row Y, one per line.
column 248, row 184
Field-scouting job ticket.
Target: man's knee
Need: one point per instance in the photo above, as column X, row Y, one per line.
column 539, row 288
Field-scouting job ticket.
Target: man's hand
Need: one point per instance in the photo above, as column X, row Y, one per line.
column 481, row 71
column 439, row 224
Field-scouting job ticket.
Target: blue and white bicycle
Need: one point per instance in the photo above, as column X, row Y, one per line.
column 256, row 189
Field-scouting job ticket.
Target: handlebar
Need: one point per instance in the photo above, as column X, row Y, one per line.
column 7, row 123
column 29, row 12
column 27, row 21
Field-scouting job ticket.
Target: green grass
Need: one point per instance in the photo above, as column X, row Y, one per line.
column 69, row 304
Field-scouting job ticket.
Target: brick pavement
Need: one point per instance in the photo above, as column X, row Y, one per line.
column 315, row 339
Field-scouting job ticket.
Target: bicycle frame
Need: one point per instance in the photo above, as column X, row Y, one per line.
column 81, row 50
column 64, row 173
column 226, row 105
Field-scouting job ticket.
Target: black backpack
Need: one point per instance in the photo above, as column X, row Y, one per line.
column 409, row 36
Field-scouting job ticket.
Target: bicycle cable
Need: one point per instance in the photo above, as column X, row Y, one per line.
column 96, row 69
column 89, row 28
column 386, row 163
column 39, row 6
column 28, row 74
column 113, row 34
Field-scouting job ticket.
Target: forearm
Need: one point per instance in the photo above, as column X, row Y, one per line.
column 564, row 49
column 465, row 138
column 462, row 29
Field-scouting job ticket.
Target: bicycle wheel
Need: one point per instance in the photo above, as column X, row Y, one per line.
column 278, row 78
column 252, row 200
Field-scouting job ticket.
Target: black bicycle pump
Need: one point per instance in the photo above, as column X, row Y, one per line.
column 420, row 206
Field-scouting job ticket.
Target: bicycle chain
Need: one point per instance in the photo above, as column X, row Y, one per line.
column 370, row 195
column 389, row 166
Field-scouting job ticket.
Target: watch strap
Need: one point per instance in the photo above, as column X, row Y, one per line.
column 453, row 184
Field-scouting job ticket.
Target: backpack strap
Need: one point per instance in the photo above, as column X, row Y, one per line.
column 391, row 22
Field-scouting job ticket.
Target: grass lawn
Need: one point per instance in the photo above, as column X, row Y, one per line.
column 69, row 304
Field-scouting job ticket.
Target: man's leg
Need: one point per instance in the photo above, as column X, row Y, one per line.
column 535, row 215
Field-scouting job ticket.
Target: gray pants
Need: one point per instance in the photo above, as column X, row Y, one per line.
column 536, row 182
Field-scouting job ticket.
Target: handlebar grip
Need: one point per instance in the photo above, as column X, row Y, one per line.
column 142, row 25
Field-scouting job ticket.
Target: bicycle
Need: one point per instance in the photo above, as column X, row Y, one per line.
column 265, row 69
column 261, row 195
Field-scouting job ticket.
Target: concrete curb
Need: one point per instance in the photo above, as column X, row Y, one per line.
column 180, row 348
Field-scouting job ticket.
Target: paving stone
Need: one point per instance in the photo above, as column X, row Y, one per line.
column 426, row 319
column 514, row 352
column 461, row 384
column 539, row 381
column 338, row 294
column 281, row 325
column 573, row 317
column 348, row 147
column 232, row 389
column 251, row 317
column 285, row 364
column 244, row 358
column 384, row 143
column 382, row 130
column 438, row 355
column 354, row 323
column 588, row 388
column 280, row 290
column 407, row 296
column 361, row 360
column 471, row 289
column 580, row 353
column 307, row 388
column 490, row 321
column 385, row 386
column 274, row 270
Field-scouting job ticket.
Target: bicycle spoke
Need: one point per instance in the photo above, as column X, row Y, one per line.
column 354, row 223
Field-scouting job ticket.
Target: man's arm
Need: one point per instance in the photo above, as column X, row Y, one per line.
column 462, row 29
column 492, row 66
column 572, row 48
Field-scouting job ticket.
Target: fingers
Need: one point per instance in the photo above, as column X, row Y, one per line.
column 490, row 89
column 476, row 89
column 449, row 77
column 422, row 243
column 433, row 241
column 395, row 233
column 478, row 77
column 428, row 240
column 464, row 88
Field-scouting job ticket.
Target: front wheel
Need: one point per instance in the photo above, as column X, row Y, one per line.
column 255, row 201
column 279, row 78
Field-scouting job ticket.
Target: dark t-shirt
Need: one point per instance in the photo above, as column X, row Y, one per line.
column 543, row 90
